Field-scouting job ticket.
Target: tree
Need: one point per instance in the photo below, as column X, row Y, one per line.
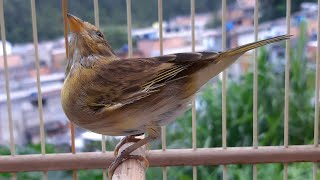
column 273, row 9
column 112, row 13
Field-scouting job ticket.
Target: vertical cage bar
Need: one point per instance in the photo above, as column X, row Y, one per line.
column 96, row 13
column 315, row 171
column 65, row 28
column 194, row 139
column 285, row 171
column 316, row 121
column 224, row 82
column 255, row 78
column 129, row 27
column 163, row 128
column 287, row 84
column 224, row 77
column 254, row 172
column 103, row 148
column 255, row 87
column 6, row 76
column 97, row 24
column 287, row 80
column 160, row 19
column 194, row 115
column 13, row 176
column 193, row 36
column 36, row 58
column 316, row 111
column 194, row 135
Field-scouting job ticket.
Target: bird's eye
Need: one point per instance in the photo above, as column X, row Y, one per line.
column 98, row 33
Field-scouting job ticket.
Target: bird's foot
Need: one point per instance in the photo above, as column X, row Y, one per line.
column 120, row 160
column 124, row 141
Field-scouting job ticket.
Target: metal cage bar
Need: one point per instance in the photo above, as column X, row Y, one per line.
column 287, row 79
column 163, row 129
column 129, row 27
column 224, row 85
column 171, row 157
column 72, row 128
column 96, row 13
column 97, row 24
column 316, row 110
column 6, row 76
column 194, row 112
column 36, row 58
column 287, row 88
column 255, row 143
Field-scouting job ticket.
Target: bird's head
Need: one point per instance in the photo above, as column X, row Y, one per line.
column 87, row 42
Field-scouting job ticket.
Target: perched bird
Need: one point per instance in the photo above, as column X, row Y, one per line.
column 129, row 97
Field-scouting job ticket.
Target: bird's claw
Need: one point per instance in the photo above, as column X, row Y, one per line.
column 124, row 141
column 113, row 166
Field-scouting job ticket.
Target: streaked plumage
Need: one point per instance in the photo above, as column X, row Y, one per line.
column 127, row 97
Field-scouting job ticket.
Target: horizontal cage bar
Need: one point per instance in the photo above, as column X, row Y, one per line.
column 170, row 157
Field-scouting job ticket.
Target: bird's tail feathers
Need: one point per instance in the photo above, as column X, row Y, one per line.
column 226, row 58
column 238, row 51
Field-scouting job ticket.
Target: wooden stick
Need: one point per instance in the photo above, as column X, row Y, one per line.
column 131, row 168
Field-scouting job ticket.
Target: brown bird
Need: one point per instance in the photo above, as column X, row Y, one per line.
column 129, row 97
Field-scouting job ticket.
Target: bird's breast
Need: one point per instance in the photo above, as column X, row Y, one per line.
column 73, row 95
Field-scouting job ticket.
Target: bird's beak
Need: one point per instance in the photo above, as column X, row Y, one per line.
column 76, row 24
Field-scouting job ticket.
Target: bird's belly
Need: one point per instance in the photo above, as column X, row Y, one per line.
column 136, row 118
column 171, row 112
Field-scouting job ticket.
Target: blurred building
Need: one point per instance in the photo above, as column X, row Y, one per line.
column 13, row 60
column 8, row 48
column 25, row 113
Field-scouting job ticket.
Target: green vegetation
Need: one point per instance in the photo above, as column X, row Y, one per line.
column 112, row 14
column 116, row 35
column 272, row 9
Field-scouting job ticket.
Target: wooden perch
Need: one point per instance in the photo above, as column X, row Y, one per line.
column 131, row 168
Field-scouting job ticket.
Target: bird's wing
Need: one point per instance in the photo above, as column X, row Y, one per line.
column 125, row 81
